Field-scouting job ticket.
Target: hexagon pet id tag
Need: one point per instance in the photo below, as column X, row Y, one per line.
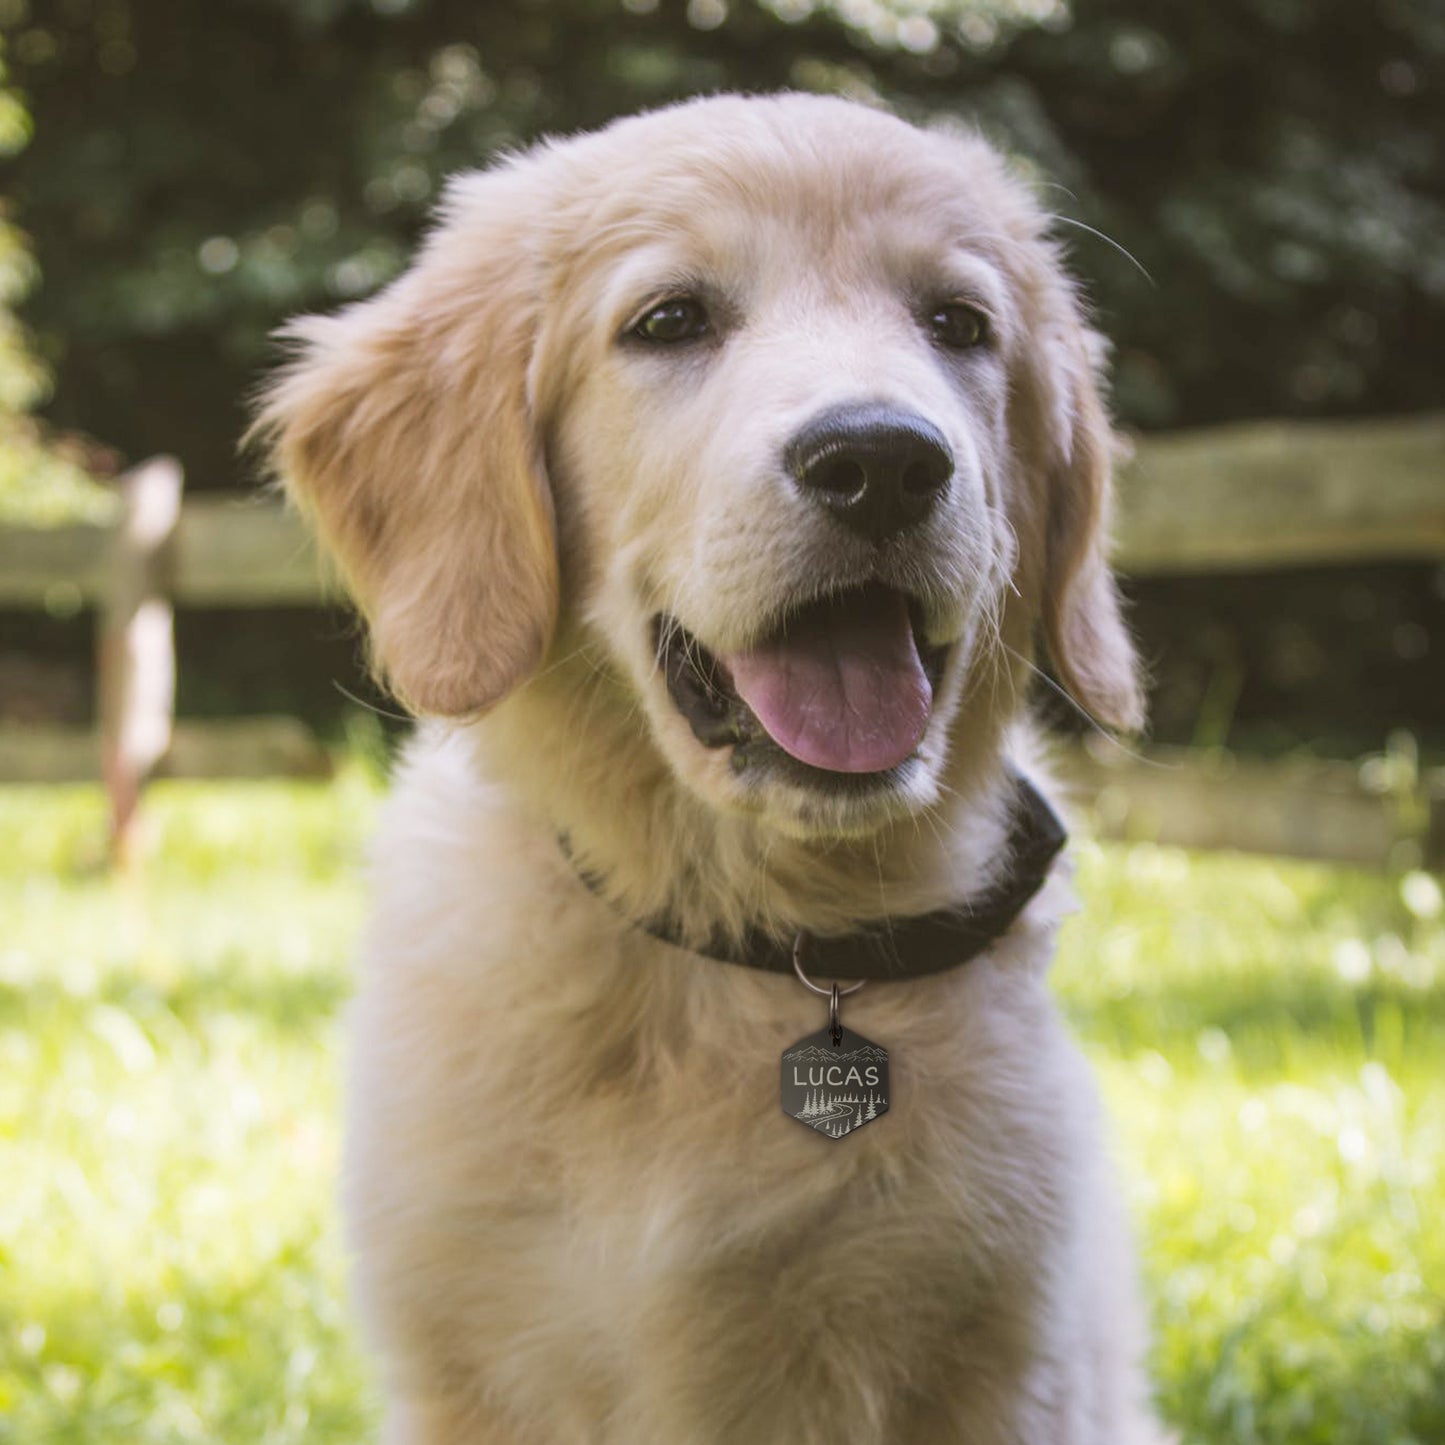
column 834, row 1081
column 835, row 1087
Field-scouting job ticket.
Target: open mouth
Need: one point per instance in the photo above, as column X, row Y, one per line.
column 843, row 686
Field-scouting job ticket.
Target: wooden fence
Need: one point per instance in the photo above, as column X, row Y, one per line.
column 1237, row 498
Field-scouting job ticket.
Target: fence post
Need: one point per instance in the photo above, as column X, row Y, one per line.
column 136, row 664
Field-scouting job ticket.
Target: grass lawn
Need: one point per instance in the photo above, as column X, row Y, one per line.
column 1271, row 1039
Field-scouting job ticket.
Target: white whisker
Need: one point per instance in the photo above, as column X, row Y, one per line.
column 1109, row 241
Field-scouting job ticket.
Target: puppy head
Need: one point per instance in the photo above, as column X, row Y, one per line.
column 822, row 438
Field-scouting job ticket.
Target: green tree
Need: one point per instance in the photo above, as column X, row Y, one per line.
column 199, row 172
column 36, row 483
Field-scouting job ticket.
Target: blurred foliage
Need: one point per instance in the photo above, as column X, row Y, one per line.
column 200, row 171
column 39, row 484
column 1336, row 657
column 21, row 377
column 43, row 483
column 1268, row 1036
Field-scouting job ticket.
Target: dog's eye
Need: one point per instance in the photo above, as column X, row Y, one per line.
column 679, row 318
column 958, row 326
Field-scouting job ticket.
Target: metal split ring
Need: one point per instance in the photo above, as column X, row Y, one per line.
column 835, row 992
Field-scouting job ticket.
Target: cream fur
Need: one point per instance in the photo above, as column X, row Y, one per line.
column 578, row 1212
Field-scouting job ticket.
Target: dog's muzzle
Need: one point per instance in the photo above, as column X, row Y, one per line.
column 843, row 686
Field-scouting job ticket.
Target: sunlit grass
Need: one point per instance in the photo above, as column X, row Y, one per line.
column 1270, row 1039
column 169, row 1267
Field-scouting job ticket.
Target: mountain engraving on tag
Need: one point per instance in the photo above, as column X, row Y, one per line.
column 835, row 1088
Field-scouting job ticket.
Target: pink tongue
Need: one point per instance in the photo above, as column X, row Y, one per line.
column 842, row 688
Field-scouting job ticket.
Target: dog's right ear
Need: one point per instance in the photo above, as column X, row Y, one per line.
column 402, row 427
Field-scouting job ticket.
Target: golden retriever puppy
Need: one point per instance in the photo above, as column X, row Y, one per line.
column 705, row 484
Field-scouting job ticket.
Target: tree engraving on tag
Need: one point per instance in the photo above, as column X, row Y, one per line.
column 835, row 1088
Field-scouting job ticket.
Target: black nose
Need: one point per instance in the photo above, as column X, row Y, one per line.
column 877, row 468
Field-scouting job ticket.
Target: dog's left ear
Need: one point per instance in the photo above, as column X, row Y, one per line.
column 1082, row 618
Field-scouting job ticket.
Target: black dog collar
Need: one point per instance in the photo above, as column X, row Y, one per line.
column 899, row 948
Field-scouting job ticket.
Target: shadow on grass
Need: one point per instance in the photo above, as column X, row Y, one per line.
column 301, row 1002
column 1264, row 1021
column 1286, row 1370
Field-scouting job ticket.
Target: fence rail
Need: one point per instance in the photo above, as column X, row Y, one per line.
column 1384, row 811
column 1267, row 495
column 222, row 553
column 1237, row 498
